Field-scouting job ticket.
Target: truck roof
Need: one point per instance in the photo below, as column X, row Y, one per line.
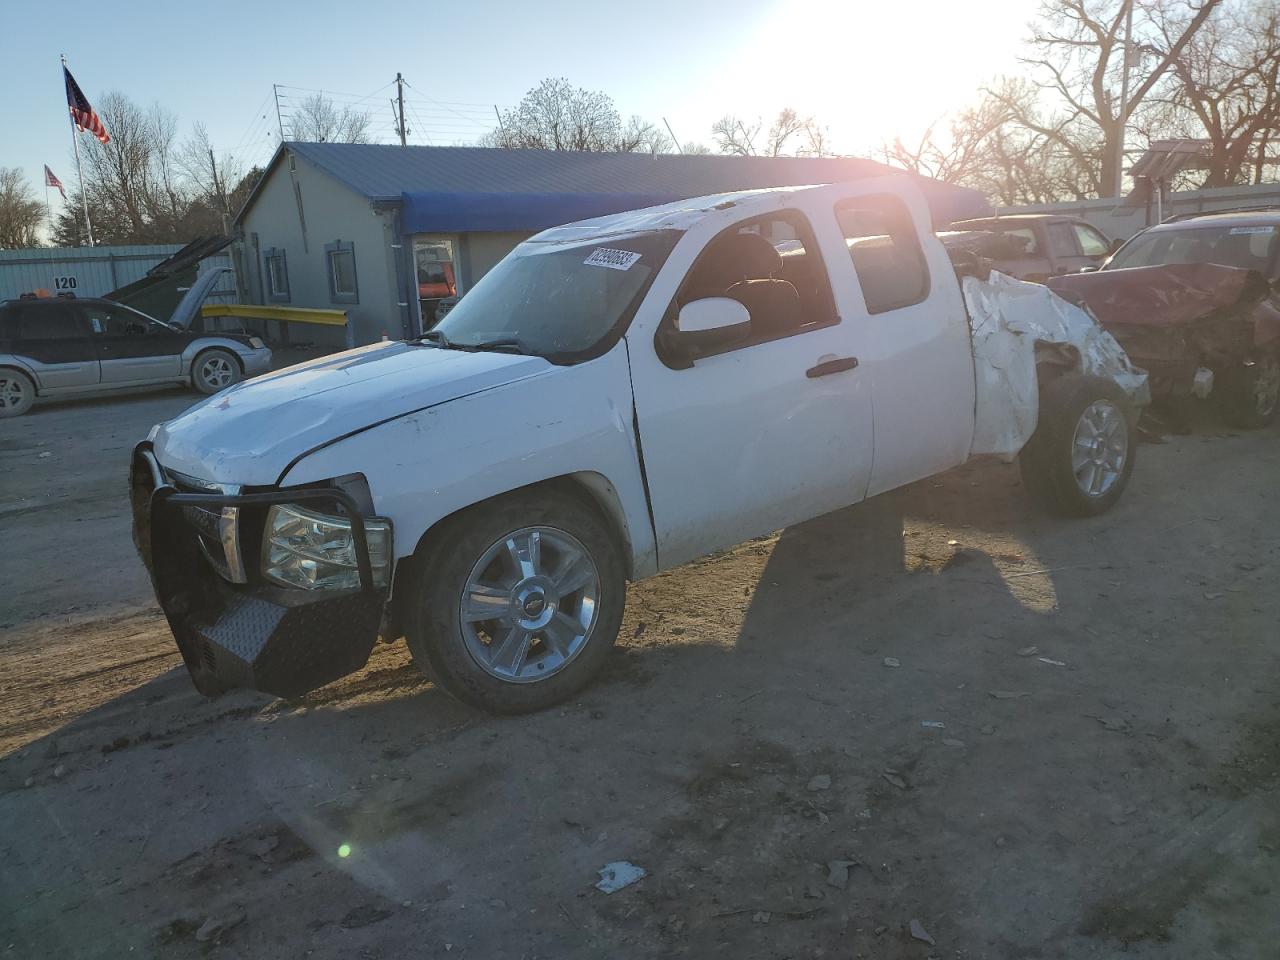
column 988, row 222
column 1233, row 218
column 678, row 215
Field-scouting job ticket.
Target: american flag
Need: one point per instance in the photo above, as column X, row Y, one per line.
column 83, row 114
column 51, row 181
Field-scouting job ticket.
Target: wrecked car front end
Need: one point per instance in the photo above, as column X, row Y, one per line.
column 1179, row 319
column 278, row 590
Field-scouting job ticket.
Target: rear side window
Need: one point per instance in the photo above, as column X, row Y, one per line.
column 1092, row 243
column 885, row 249
column 1026, row 237
column 48, row 321
column 1062, row 238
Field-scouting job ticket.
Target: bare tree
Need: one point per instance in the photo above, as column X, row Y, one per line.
column 317, row 119
column 1227, row 81
column 1080, row 60
column 640, row 134
column 142, row 186
column 785, row 126
column 207, row 173
column 20, row 211
column 991, row 148
column 556, row 115
column 694, row 149
column 733, row 135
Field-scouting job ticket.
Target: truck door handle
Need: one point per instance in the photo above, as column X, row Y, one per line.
column 829, row 367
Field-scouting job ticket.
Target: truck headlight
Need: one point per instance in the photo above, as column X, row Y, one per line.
column 314, row 551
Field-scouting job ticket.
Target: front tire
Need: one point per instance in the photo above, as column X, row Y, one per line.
column 215, row 370
column 17, row 393
column 1081, row 456
column 514, row 605
column 1249, row 395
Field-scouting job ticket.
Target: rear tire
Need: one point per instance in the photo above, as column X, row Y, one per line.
column 556, row 601
column 17, row 393
column 1081, row 456
column 215, row 370
column 1249, row 395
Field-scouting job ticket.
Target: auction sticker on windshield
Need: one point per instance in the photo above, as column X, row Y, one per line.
column 1236, row 231
column 613, row 259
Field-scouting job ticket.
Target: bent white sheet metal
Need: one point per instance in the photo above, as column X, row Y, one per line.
column 1009, row 318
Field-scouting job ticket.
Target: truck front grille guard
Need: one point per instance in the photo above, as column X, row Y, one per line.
column 164, row 493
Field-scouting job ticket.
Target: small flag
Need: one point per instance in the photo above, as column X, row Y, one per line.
column 83, row 114
column 51, row 181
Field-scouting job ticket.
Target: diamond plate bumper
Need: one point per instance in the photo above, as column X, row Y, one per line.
column 280, row 641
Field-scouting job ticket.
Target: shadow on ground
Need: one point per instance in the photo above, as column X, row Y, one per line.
column 1118, row 794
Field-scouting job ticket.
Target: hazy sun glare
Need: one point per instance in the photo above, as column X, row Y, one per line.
column 869, row 70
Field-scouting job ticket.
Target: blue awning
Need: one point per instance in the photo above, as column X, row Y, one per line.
column 438, row 212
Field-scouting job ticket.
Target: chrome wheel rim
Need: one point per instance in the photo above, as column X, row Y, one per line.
column 13, row 393
column 1266, row 388
column 529, row 604
column 216, row 372
column 1099, row 448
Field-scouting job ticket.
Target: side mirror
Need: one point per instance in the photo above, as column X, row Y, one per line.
column 1089, row 269
column 708, row 324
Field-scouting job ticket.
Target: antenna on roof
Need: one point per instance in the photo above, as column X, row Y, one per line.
column 679, row 149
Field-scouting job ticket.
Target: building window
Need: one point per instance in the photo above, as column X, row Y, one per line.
column 340, row 259
column 277, row 275
column 435, row 264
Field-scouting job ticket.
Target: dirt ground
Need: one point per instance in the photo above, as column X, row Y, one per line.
column 789, row 789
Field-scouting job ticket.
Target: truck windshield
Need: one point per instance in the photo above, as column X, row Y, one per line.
column 1251, row 248
column 558, row 301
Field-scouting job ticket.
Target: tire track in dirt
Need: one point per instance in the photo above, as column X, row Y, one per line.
column 39, row 694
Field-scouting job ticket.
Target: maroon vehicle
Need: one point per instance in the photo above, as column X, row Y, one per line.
column 1196, row 302
column 1043, row 245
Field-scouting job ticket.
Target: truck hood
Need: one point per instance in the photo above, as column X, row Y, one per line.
column 250, row 433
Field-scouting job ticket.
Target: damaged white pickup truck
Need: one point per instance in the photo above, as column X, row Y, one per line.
column 616, row 397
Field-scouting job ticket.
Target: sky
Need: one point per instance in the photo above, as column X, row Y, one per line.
column 867, row 69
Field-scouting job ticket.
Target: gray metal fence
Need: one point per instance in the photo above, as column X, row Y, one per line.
column 88, row 271
column 1121, row 222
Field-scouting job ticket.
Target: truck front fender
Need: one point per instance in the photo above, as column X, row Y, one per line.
column 575, row 424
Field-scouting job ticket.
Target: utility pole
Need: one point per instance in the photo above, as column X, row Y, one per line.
column 1123, row 114
column 400, row 100
column 275, row 90
column 220, row 193
column 679, row 149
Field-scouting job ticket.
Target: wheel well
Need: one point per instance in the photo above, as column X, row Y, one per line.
column 214, row 346
column 34, row 384
column 592, row 489
column 1054, row 360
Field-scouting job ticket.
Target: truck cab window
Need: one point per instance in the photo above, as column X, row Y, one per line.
column 771, row 266
column 886, row 253
column 1092, row 243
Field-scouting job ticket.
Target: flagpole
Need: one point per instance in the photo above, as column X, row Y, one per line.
column 75, row 142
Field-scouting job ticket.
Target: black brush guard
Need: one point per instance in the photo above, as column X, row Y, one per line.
column 281, row 641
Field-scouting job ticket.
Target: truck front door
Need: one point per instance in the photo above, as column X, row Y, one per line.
column 769, row 431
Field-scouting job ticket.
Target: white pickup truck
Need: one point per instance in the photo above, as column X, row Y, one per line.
column 615, row 398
